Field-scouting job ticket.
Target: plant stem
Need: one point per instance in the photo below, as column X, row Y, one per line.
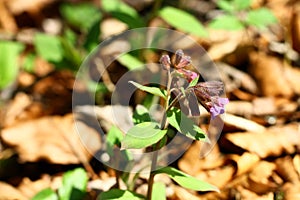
column 157, row 145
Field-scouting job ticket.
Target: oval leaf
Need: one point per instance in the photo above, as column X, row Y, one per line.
column 226, row 22
column 159, row 191
column 143, row 135
column 260, row 18
column 74, row 184
column 130, row 62
column 183, row 21
column 185, row 125
column 116, row 194
column 152, row 90
column 8, row 62
column 46, row 194
column 186, row 180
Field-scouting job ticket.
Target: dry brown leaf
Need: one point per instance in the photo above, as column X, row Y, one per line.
column 8, row 192
column 286, row 170
column 32, row 6
column 242, row 123
column 296, row 162
column 291, row 191
column 249, row 195
column 270, row 84
column 272, row 142
column 52, row 138
column 30, row 188
column 258, row 180
column 192, row 164
column 245, row 162
column 181, row 193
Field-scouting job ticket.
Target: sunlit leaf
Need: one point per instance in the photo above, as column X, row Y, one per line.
column 185, row 125
column 130, row 62
column 123, row 12
column 117, row 194
column 46, row 194
column 241, row 4
column 141, row 114
column 81, row 15
column 49, row 47
column 186, row 180
column 260, row 18
column 143, row 135
column 74, row 185
column 194, row 82
column 153, row 90
column 159, row 191
column 9, row 62
column 226, row 22
column 225, row 5
column 183, row 21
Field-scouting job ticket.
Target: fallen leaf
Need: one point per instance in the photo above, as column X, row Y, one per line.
column 246, row 194
column 270, row 84
column 271, row 142
column 245, row 162
column 286, row 170
column 54, row 139
column 291, row 191
column 10, row 192
column 258, row 180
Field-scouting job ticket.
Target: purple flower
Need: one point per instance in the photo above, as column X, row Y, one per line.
column 165, row 61
column 218, row 106
column 208, row 94
column 181, row 60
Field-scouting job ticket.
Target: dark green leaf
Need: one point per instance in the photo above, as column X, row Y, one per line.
column 81, row 15
column 141, row 114
column 153, row 90
column 159, row 191
column 185, row 125
column 130, row 62
column 143, row 135
column 45, row 194
column 71, row 54
column 74, row 185
column 226, row 22
column 183, row 21
column 8, row 62
column 186, row 180
column 49, row 47
column 260, row 18
column 117, row 194
column 93, row 36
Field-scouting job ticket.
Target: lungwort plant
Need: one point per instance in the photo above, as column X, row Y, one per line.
column 180, row 97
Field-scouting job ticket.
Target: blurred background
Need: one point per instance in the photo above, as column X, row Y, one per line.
column 255, row 45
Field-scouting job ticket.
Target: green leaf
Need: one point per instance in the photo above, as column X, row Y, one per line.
column 226, row 22
column 45, row 194
column 143, row 135
column 28, row 63
column 48, row 47
column 81, row 15
column 153, row 90
column 71, row 54
column 93, row 36
column 159, row 191
column 9, row 62
column 123, row 12
column 117, row 194
column 141, row 114
column 260, row 18
column 194, row 82
column 225, row 5
column 130, row 62
column 183, row 21
column 241, row 4
column 186, row 180
column 74, row 185
column 185, row 125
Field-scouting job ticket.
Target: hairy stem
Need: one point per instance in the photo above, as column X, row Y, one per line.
column 157, row 145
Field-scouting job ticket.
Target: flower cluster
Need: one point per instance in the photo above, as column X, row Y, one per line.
column 207, row 93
